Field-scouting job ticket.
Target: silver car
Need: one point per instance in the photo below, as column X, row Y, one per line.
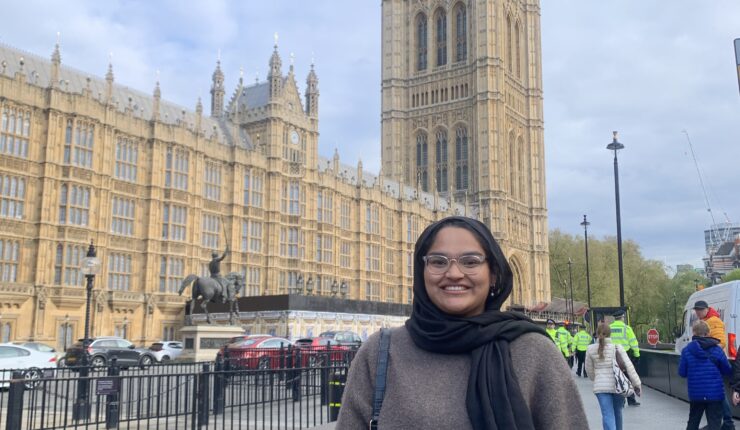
column 166, row 350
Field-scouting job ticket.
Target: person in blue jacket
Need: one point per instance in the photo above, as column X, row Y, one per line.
column 703, row 362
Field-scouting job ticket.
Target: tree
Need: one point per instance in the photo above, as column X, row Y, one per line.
column 648, row 291
column 732, row 276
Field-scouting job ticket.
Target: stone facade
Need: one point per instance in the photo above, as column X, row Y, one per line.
column 462, row 117
column 158, row 187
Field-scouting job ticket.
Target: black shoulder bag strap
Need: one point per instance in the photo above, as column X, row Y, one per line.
column 380, row 376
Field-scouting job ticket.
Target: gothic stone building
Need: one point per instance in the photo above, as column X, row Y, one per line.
column 462, row 117
column 158, row 187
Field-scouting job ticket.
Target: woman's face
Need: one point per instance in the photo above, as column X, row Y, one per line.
column 456, row 292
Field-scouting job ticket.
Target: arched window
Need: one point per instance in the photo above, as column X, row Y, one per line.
column 421, row 42
column 422, row 160
column 440, row 20
column 508, row 43
column 513, row 188
column 461, row 158
column 441, row 153
column 518, row 50
column 461, row 33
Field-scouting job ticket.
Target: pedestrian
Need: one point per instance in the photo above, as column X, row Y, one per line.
column 599, row 367
column 551, row 330
column 583, row 340
column 460, row 362
column 710, row 316
column 623, row 335
column 563, row 340
column 703, row 363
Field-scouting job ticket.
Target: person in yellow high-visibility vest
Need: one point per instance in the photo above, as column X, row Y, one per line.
column 583, row 340
column 551, row 331
column 622, row 334
column 563, row 340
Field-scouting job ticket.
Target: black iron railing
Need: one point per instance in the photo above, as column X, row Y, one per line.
column 294, row 388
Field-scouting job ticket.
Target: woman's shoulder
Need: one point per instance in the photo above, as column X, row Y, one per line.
column 533, row 347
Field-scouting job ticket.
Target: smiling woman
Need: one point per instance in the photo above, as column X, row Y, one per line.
column 460, row 362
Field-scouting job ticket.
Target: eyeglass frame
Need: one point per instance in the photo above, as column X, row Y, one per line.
column 456, row 259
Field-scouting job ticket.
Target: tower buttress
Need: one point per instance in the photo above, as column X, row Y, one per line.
column 56, row 60
column 157, row 99
column 275, row 77
column 217, row 91
column 312, row 94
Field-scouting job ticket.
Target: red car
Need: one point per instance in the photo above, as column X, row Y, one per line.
column 258, row 352
column 321, row 351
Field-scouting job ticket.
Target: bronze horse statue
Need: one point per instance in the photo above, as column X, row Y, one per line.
column 210, row 290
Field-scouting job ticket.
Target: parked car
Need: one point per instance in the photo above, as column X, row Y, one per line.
column 320, row 351
column 35, row 364
column 264, row 352
column 343, row 337
column 42, row 347
column 164, row 351
column 103, row 349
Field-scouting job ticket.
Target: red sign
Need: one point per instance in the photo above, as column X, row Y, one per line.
column 653, row 337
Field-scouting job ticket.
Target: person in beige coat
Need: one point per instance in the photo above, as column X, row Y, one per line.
column 599, row 359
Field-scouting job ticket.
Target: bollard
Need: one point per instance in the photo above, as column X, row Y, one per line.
column 112, row 406
column 296, row 376
column 219, row 386
column 324, row 384
column 15, row 401
column 203, row 397
column 337, row 381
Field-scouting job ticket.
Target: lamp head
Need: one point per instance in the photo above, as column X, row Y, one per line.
column 615, row 145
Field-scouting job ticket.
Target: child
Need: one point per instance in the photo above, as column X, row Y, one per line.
column 704, row 363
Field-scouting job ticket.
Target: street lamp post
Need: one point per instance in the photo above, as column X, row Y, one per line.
column 585, row 225
column 616, row 146
column 565, row 296
column 570, row 281
column 89, row 267
column 66, row 331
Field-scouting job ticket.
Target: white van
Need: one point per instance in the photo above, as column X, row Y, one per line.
column 725, row 299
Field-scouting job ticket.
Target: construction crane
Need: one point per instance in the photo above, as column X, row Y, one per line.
column 719, row 233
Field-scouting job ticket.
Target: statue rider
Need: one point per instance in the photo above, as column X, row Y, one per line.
column 215, row 268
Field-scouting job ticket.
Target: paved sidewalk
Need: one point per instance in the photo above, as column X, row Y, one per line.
column 657, row 409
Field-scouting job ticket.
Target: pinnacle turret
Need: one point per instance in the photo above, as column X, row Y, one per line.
column 312, row 93
column 217, row 91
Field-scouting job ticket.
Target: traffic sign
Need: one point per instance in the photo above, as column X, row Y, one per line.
column 653, row 337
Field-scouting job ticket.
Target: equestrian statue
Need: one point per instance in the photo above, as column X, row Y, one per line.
column 215, row 289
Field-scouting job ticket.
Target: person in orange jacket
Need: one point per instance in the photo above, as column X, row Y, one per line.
column 716, row 327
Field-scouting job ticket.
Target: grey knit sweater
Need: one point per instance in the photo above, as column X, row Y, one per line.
column 427, row 391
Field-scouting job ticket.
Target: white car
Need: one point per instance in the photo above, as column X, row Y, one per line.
column 34, row 364
column 166, row 350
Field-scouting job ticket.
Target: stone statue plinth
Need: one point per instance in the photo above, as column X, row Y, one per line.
column 202, row 342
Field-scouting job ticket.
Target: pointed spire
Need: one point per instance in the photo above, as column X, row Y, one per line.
column 335, row 160
column 312, row 93
column 198, row 116
column 56, row 60
column 275, row 77
column 199, row 107
column 217, row 89
column 109, row 79
column 157, row 98
column 292, row 63
column 359, row 172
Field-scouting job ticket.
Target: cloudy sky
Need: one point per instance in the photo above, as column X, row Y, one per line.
column 650, row 69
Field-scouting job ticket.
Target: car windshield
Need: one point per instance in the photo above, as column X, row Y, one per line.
column 244, row 342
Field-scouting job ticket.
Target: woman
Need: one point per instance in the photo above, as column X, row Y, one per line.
column 459, row 362
column 599, row 367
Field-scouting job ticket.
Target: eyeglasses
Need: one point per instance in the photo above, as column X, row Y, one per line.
column 438, row 264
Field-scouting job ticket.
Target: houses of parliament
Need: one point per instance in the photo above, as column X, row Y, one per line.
column 157, row 187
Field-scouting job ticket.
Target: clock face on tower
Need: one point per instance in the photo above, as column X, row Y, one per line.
column 294, row 138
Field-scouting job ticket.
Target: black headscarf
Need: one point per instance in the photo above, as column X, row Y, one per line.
column 494, row 400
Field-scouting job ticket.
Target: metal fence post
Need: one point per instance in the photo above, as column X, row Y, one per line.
column 219, row 386
column 15, row 402
column 203, row 401
column 325, row 384
column 112, row 407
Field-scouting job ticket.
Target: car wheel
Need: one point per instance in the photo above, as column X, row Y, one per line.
column 165, row 359
column 98, row 361
column 62, row 362
column 32, row 378
column 145, row 361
